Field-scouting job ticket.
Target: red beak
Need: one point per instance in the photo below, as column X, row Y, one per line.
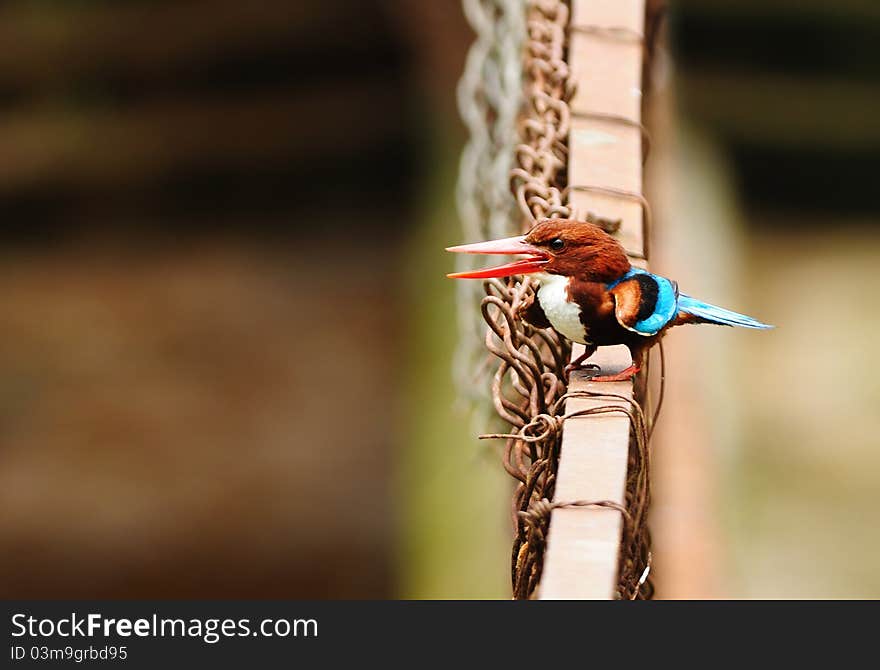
column 509, row 245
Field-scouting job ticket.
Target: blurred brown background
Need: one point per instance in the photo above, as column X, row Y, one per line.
column 204, row 206
column 768, row 455
column 225, row 339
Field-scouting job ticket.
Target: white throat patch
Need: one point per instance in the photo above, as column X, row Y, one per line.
column 565, row 316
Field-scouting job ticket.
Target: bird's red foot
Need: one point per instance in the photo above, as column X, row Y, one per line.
column 571, row 367
column 622, row 376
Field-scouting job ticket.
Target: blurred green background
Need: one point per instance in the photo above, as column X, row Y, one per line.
column 225, row 347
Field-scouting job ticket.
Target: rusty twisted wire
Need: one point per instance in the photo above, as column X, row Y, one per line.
column 635, row 553
column 490, row 96
column 528, row 387
column 530, row 380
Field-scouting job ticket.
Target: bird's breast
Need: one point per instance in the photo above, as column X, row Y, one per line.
column 562, row 313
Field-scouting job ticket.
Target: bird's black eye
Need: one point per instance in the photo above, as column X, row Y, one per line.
column 557, row 244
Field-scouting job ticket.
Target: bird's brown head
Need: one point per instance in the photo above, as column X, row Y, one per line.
column 556, row 246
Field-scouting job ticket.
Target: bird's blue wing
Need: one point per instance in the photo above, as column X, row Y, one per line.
column 644, row 302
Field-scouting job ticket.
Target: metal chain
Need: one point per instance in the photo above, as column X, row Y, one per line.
column 528, row 387
column 490, row 97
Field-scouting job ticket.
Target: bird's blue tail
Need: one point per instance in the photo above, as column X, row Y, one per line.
column 719, row 315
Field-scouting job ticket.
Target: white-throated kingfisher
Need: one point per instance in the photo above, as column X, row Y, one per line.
column 591, row 294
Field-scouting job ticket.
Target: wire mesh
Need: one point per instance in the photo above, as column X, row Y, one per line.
column 514, row 98
column 490, row 97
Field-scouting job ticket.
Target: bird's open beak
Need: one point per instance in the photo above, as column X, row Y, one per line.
column 536, row 258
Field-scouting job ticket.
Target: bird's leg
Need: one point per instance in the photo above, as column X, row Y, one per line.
column 624, row 375
column 576, row 364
